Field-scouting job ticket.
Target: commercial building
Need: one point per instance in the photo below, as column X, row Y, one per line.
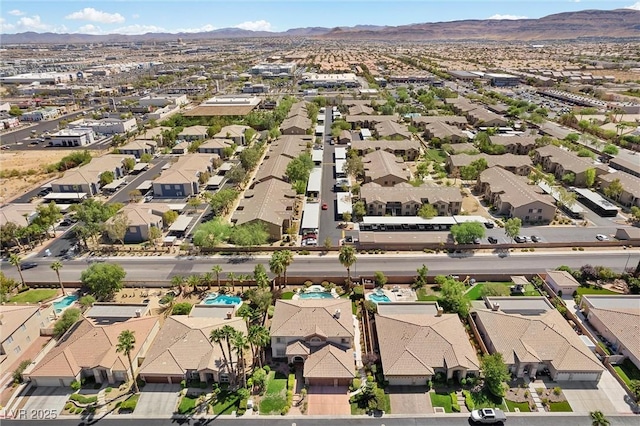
column 163, row 100
column 273, row 69
column 330, row 80
column 71, row 137
column 106, row 126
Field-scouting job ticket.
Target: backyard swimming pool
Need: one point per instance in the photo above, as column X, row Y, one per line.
column 62, row 304
column 316, row 295
column 374, row 297
column 222, row 299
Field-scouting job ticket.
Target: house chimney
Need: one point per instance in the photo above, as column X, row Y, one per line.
column 337, row 314
column 229, row 315
column 495, row 306
column 439, row 312
column 138, row 313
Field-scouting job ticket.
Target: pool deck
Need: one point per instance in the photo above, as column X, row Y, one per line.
column 314, row 289
column 401, row 295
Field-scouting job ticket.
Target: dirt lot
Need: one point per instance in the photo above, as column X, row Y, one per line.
column 30, row 165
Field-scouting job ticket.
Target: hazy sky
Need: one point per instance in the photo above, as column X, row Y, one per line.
column 141, row 16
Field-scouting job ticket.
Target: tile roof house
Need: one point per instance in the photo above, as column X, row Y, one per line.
column 345, row 138
column 360, row 109
column 418, row 341
column 520, row 145
column 19, row 213
column 617, row 319
column 533, row 336
column 319, row 333
column 20, row 328
column 86, row 179
column 385, row 169
column 235, row 132
column 625, row 166
column 182, row 179
column 139, row 147
column 140, row 219
column 215, row 146
column 481, row 117
column 560, row 162
column 517, row 164
column 89, row 350
column 445, row 132
column 512, row 196
column 561, row 282
column 407, row 148
column 454, row 120
column 281, row 152
column 368, row 121
column 295, row 125
column 630, row 195
column 405, row 199
column 392, row 130
column 183, row 350
column 193, row 133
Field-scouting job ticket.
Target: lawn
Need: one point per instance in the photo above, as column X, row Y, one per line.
column 422, row 296
column 441, row 400
column 187, row 404
column 594, row 290
column 226, row 402
column 484, row 399
column 475, row 292
column 562, row 406
column 627, row 371
column 436, row 155
column 275, row 397
column 522, row 406
column 287, row 295
column 34, row 296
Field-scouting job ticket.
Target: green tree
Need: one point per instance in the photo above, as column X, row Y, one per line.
column 598, row 419
column 117, row 227
column 276, row 266
column 87, row 301
column 260, row 276
column 589, row 177
column 452, row 296
column 249, row 234
column 129, row 163
column 66, row 320
column 566, row 198
column 103, row 279
column 217, row 269
column 347, row 257
column 286, row 256
column 106, row 178
column 92, row 215
column 16, row 261
column 354, row 166
column 217, row 335
column 496, row 373
column 421, row 279
column 155, row 234
column 569, row 178
column 47, row 216
column 169, row 217
column 379, row 278
column 222, row 200
column 465, row 233
column 512, row 227
column 56, row 266
column 259, row 338
column 635, row 213
column 229, row 333
column 146, row 158
column 359, row 210
column 211, row 234
column 194, row 203
column 614, row 189
column 240, row 343
column 427, row 211
column 610, row 149
column 126, row 344
column 182, row 308
column 15, row 111
column 7, row 285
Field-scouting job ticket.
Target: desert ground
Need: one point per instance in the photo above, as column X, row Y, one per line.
column 24, row 170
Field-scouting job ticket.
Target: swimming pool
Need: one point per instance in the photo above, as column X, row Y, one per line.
column 62, row 304
column 379, row 298
column 316, row 295
column 222, row 299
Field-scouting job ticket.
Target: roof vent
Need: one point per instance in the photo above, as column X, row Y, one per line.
column 495, row 306
column 337, row 314
column 138, row 313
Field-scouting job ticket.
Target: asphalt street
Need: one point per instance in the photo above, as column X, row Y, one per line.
column 328, row 222
column 450, row 420
column 161, row 269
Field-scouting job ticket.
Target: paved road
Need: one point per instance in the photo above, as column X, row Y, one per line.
column 449, row 420
column 160, row 269
column 328, row 222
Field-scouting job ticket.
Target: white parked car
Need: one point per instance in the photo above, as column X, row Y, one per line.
column 602, row 237
column 488, row 416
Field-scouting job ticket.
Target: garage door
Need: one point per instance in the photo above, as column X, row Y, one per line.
column 407, row 380
column 158, row 379
column 51, row 381
column 321, row 382
column 577, row 377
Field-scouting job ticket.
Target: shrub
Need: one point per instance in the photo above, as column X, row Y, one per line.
column 355, row 384
column 17, row 373
column 557, row 391
column 83, row 399
column 77, row 410
column 68, row 406
column 266, row 369
column 463, row 381
column 129, row 404
column 454, row 402
column 468, row 400
column 75, row 385
column 183, row 384
column 242, row 407
column 109, row 389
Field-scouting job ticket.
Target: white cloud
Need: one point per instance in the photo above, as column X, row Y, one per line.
column 16, row 12
column 93, row 15
column 634, row 6
column 90, row 29
column 202, row 29
column 30, row 23
column 261, row 25
column 5, row 27
column 138, row 29
column 508, row 17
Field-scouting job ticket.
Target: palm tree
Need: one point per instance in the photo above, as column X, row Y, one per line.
column 276, row 266
column 169, row 302
column 241, row 279
column 241, row 344
column 56, row 266
column 126, row 343
column 207, row 277
column 217, row 336
column 16, row 260
column 193, row 281
column 177, row 281
column 598, row 419
column 347, row 257
column 231, row 276
column 217, row 270
column 287, row 259
column 229, row 332
column 259, row 337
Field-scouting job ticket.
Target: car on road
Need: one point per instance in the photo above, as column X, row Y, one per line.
column 488, row 416
column 493, row 240
column 325, row 206
column 521, row 239
column 476, row 241
column 27, row 265
column 65, row 223
column 489, row 224
column 3, row 147
column 536, row 239
column 602, row 237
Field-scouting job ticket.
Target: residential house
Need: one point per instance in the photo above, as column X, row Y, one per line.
column 630, row 195
column 269, row 202
column 405, row 199
column 139, row 147
column 295, row 125
column 214, row 146
column 517, row 164
column 318, row 333
column 625, row 166
column 345, row 137
column 235, row 132
column 21, row 327
column 561, row 282
column 617, row 319
column 20, row 214
column 520, row 145
column 86, row 179
column 140, row 219
column 445, row 132
column 481, row 117
column 422, row 121
column 183, row 350
column 88, row 350
column 385, row 169
column 392, row 130
column 511, row 196
column 193, row 133
column 560, row 162
column 418, row 341
column 281, row 152
column 533, row 336
column 180, row 148
column 360, row 109
column 368, row 121
column 407, row 149
column 185, row 177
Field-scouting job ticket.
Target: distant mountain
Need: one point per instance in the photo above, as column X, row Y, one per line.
column 620, row 23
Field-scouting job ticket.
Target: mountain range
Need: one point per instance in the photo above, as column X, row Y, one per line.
column 586, row 24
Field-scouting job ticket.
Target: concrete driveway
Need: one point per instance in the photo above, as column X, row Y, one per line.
column 327, row 400
column 608, row 396
column 409, row 400
column 158, row 400
column 47, row 398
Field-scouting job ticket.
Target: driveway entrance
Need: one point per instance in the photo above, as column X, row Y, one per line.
column 47, row 398
column 328, row 400
column 158, row 400
column 410, row 400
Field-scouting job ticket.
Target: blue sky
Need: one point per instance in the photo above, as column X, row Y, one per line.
column 141, row 16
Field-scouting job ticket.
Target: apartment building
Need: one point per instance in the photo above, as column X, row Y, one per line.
column 405, row 199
